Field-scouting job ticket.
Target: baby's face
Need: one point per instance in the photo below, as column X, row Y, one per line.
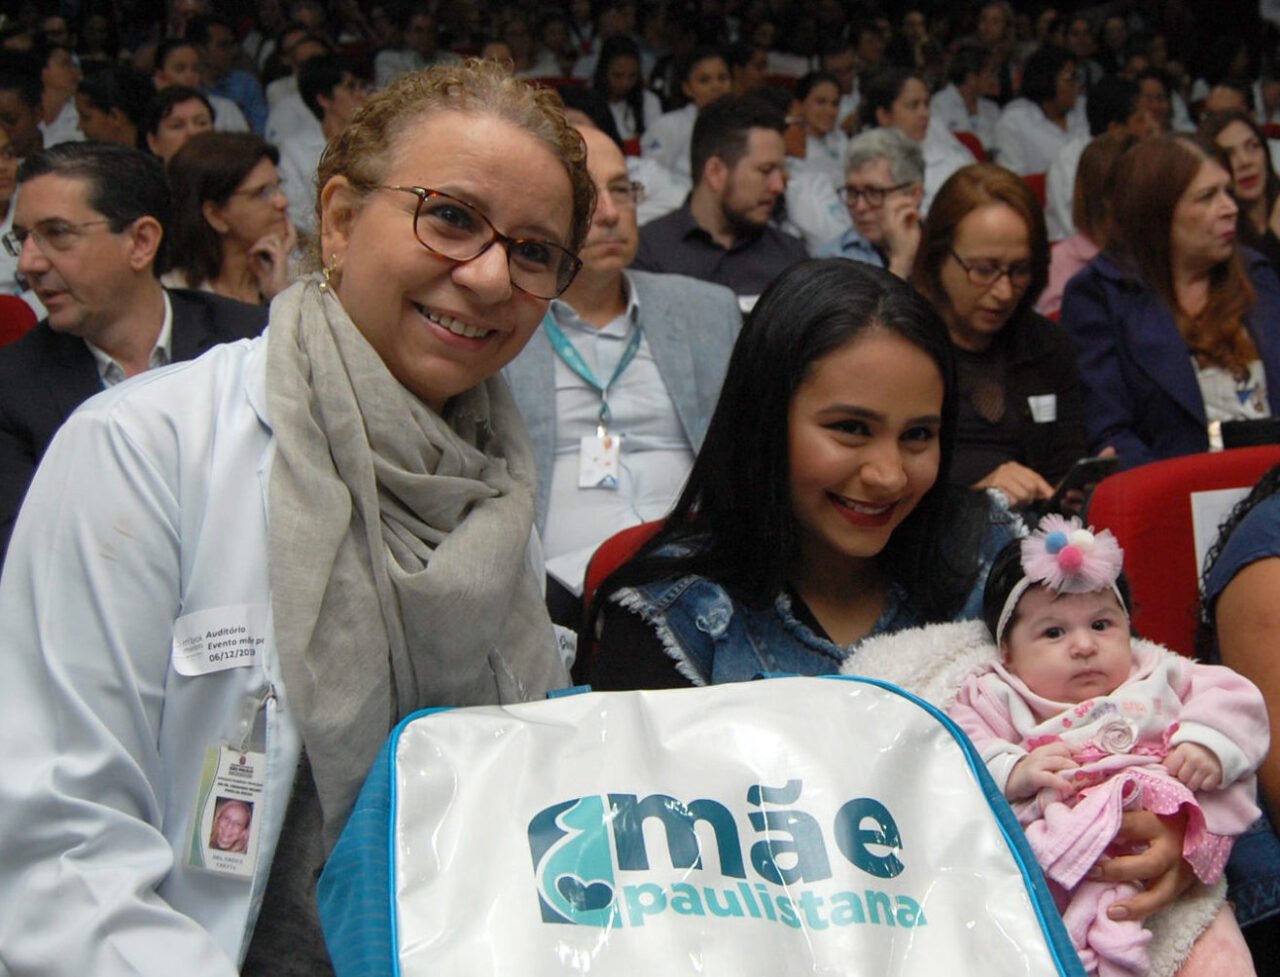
column 1069, row 647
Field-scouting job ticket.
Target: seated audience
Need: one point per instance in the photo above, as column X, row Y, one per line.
column 1175, row 326
column 112, row 104
column 983, row 258
column 1113, row 106
column 963, row 105
column 897, row 98
column 175, row 115
column 230, row 233
column 1091, row 214
column 817, row 512
column 641, row 356
column 883, row 186
column 723, row 233
column 704, row 77
column 287, row 116
column 617, row 77
column 11, row 283
column 748, row 66
column 421, row 46
column 1034, row 127
column 331, row 94
column 178, row 63
column 88, row 227
column 215, row 42
column 1253, row 177
column 20, row 112
column 815, row 106
column 661, row 190
column 59, row 79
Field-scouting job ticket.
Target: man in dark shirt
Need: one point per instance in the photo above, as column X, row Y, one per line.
column 722, row 233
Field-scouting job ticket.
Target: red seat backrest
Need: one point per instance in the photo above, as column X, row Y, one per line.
column 16, row 319
column 1036, row 181
column 973, row 144
column 1149, row 510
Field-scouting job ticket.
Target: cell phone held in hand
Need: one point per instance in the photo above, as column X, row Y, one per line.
column 1084, row 473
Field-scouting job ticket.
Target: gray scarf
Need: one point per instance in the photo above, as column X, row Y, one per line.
column 397, row 546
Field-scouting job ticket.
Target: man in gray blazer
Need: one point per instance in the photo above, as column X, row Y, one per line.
column 618, row 383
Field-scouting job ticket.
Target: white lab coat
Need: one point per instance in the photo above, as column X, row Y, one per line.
column 149, row 505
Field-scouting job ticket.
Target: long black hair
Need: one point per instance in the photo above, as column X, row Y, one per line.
column 622, row 46
column 734, row 522
column 1207, row 631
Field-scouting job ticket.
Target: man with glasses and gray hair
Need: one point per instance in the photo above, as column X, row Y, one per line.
column 883, row 187
column 88, row 233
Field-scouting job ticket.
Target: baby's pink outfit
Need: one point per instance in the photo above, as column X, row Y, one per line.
column 1119, row 740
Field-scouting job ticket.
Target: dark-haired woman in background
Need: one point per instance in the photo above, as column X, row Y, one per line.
column 818, row 510
column 1253, row 177
column 1175, row 326
column 618, row 78
column 983, row 258
column 231, row 233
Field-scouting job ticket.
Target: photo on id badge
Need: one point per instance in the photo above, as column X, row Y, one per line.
column 224, row 836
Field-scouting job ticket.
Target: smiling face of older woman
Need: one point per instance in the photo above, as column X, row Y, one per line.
column 440, row 325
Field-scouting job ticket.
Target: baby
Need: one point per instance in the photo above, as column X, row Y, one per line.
column 1078, row 725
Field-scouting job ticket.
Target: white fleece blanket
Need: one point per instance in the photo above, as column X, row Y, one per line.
column 932, row 662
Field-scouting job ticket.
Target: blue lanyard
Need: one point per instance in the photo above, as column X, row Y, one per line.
column 574, row 361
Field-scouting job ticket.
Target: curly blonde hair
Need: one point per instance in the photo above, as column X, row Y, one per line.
column 360, row 152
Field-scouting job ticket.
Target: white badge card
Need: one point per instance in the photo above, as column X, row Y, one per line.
column 1044, row 408
column 599, row 460
column 224, row 831
column 220, row 637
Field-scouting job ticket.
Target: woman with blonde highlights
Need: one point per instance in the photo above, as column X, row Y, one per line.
column 275, row 552
column 1174, row 325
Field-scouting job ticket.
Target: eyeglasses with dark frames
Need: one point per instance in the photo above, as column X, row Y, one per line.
column 984, row 273
column 454, row 229
column 874, row 196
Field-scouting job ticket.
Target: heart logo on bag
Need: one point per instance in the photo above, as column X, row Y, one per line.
column 583, row 896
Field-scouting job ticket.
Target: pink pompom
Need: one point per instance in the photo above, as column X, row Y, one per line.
column 1070, row 559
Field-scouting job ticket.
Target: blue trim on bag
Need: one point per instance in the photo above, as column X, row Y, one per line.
column 1055, row 931
column 356, row 892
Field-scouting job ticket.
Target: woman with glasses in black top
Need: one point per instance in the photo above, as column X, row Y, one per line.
column 983, row 259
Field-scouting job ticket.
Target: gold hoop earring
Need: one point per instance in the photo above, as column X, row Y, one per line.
column 327, row 272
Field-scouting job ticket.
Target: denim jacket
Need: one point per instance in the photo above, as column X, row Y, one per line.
column 714, row 638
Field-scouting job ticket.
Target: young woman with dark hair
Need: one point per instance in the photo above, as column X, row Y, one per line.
column 619, row 79
column 1253, row 177
column 818, row 510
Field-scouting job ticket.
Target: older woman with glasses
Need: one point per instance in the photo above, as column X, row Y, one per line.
column 233, row 577
column 983, row 258
column 230, row 233
column 883, row 186
column 1176, row 326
